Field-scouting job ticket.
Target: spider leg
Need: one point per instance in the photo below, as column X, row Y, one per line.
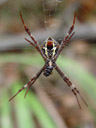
column 29, row 42
column 72, row 86
column 25, row 86
column 17, row 93
column 33, row 39
column 70, row 30
column 30, row 83
column 66, row 39
column 34, row 46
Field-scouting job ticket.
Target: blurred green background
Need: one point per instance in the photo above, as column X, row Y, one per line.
column 49, row 103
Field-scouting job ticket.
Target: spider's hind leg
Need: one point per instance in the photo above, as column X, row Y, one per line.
column 76, row 91
column 69, row 83
column 25, row 86
column 30, row 83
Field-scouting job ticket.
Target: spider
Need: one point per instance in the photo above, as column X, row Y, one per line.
column 50, row 51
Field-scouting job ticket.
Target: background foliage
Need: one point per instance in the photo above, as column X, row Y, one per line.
column 49, row 103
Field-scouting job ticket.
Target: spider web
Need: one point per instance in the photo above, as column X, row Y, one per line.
column 51, row 9
column 51, row 20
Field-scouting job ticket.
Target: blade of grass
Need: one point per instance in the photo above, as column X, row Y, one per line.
column 6, row 119
column 42, row 115
column 37, row 108
column 21, row 58
column 23, row 114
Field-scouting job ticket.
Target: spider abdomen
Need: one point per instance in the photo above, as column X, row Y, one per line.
column 48, row 71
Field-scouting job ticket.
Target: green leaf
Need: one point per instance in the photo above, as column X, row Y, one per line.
column 21, row 58
column 5, row 109
column 42, row 115
column 23, row 114
column 35, row 106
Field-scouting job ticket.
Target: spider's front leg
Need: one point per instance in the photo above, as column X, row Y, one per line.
column 69, row 83
column 66, row 39
column 29, row 84
column 35, row 43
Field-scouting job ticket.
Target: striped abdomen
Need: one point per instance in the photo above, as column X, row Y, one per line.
column 48, row 71
column 49, row 68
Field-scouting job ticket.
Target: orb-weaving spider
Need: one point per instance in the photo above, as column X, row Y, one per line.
column 50, row 51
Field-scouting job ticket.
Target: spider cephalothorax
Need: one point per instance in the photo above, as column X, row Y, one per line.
column 50, row 52
column 50, row 48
